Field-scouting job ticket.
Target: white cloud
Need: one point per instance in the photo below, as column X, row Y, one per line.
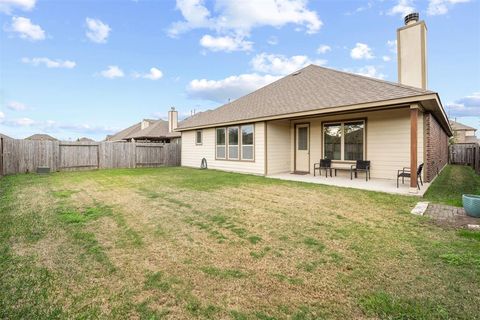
column 280, row 64
column 403, row 7
column 386, row 58
column 361, row 51
column 97, row 30
column 226, row 43
column 21, row 122
column 154, row 74
column 7, row 6
column 2, row 116
column 112, row 72
column 324, row 49
column 26, row 29
column 15, row 105
column 392, row 46
column 229, row 88
column 440, row 7
column 49, row 63
column 240, row 17
column 368, row 71
column 468, row 106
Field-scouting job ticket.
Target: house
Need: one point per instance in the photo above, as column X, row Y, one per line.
column 41, row 137
column 463, row 133
column 85, row 139
column 317, row 112
column 149, row 130
column 4, row 136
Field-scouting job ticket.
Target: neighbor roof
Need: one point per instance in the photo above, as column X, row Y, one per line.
column 128, row 131
column 457, row 126
column 4, row 136
column 158, row 129
column 308, row 89
column 41, row 136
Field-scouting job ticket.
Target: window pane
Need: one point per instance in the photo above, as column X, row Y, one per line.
column 199, row 137
column 247, row 135
column 332, row 138
column 233, row 136
column 232, row 152
column 221, row 136
column 353, row 140
column 303, row 138
column 221, row 152
column 247, row 152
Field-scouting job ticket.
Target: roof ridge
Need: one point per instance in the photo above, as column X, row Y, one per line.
column 420, row 90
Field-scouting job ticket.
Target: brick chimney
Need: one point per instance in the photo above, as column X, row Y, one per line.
column 412, row 52
column 172, row 120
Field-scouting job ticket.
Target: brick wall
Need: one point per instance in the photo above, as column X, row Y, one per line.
column 436, row 147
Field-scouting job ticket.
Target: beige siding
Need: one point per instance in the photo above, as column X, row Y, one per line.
column 192, row 154
column 278, row 147
column 387, row 140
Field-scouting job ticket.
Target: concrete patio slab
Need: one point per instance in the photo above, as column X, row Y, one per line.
column 381, row 185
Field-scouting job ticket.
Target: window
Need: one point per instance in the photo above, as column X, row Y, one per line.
column 332, row 138
column 303, row 138
column 233, row 143
column 353, row 140
column 198, row 137
column 344, row 141
column 220, row 145
column 247, row 142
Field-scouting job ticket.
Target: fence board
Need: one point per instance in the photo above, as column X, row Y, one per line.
column 22, row 156
column 466, row 154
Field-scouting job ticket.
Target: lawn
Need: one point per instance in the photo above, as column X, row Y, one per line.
column 452, row 182
column 181, row 243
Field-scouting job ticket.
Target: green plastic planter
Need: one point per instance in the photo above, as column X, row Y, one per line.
column 471, row 204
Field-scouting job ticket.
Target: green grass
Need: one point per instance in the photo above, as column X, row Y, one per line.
column 177, row 243
column 452, row 182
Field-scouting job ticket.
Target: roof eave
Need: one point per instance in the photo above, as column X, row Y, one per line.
column 353, row 107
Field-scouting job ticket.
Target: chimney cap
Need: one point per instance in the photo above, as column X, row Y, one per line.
column 411, row 18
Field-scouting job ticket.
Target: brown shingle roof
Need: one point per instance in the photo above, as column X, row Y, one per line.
column 460, row 126
column 308, row 89
column 42, row 137
column 4, row 136
column 121, row 135
column 159, row 129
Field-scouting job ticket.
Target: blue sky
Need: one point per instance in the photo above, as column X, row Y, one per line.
column 89, row 68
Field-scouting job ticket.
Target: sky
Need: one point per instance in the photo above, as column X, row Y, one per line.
column 91, row 68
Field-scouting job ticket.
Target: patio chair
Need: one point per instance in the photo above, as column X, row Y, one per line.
column 361, row 165
column 323, row 164
column 406, row 173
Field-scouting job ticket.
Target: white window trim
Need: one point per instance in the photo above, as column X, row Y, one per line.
column 224, row 145
column 342, row 138
column 248, row 145
column 201, row 137
column 238, row 145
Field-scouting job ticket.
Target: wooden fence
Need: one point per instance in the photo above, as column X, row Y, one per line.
column 22, row 156
column 466, row 154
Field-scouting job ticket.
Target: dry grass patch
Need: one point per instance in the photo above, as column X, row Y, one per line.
column 181, row 243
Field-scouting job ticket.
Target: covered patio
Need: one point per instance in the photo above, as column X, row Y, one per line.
column 374, row 184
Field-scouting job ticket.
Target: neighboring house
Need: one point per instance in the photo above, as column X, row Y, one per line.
column 463, row 133
column 317, row 112
column 41, row 137
column 149, row 130
column 4, row 136
column 85, row 139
